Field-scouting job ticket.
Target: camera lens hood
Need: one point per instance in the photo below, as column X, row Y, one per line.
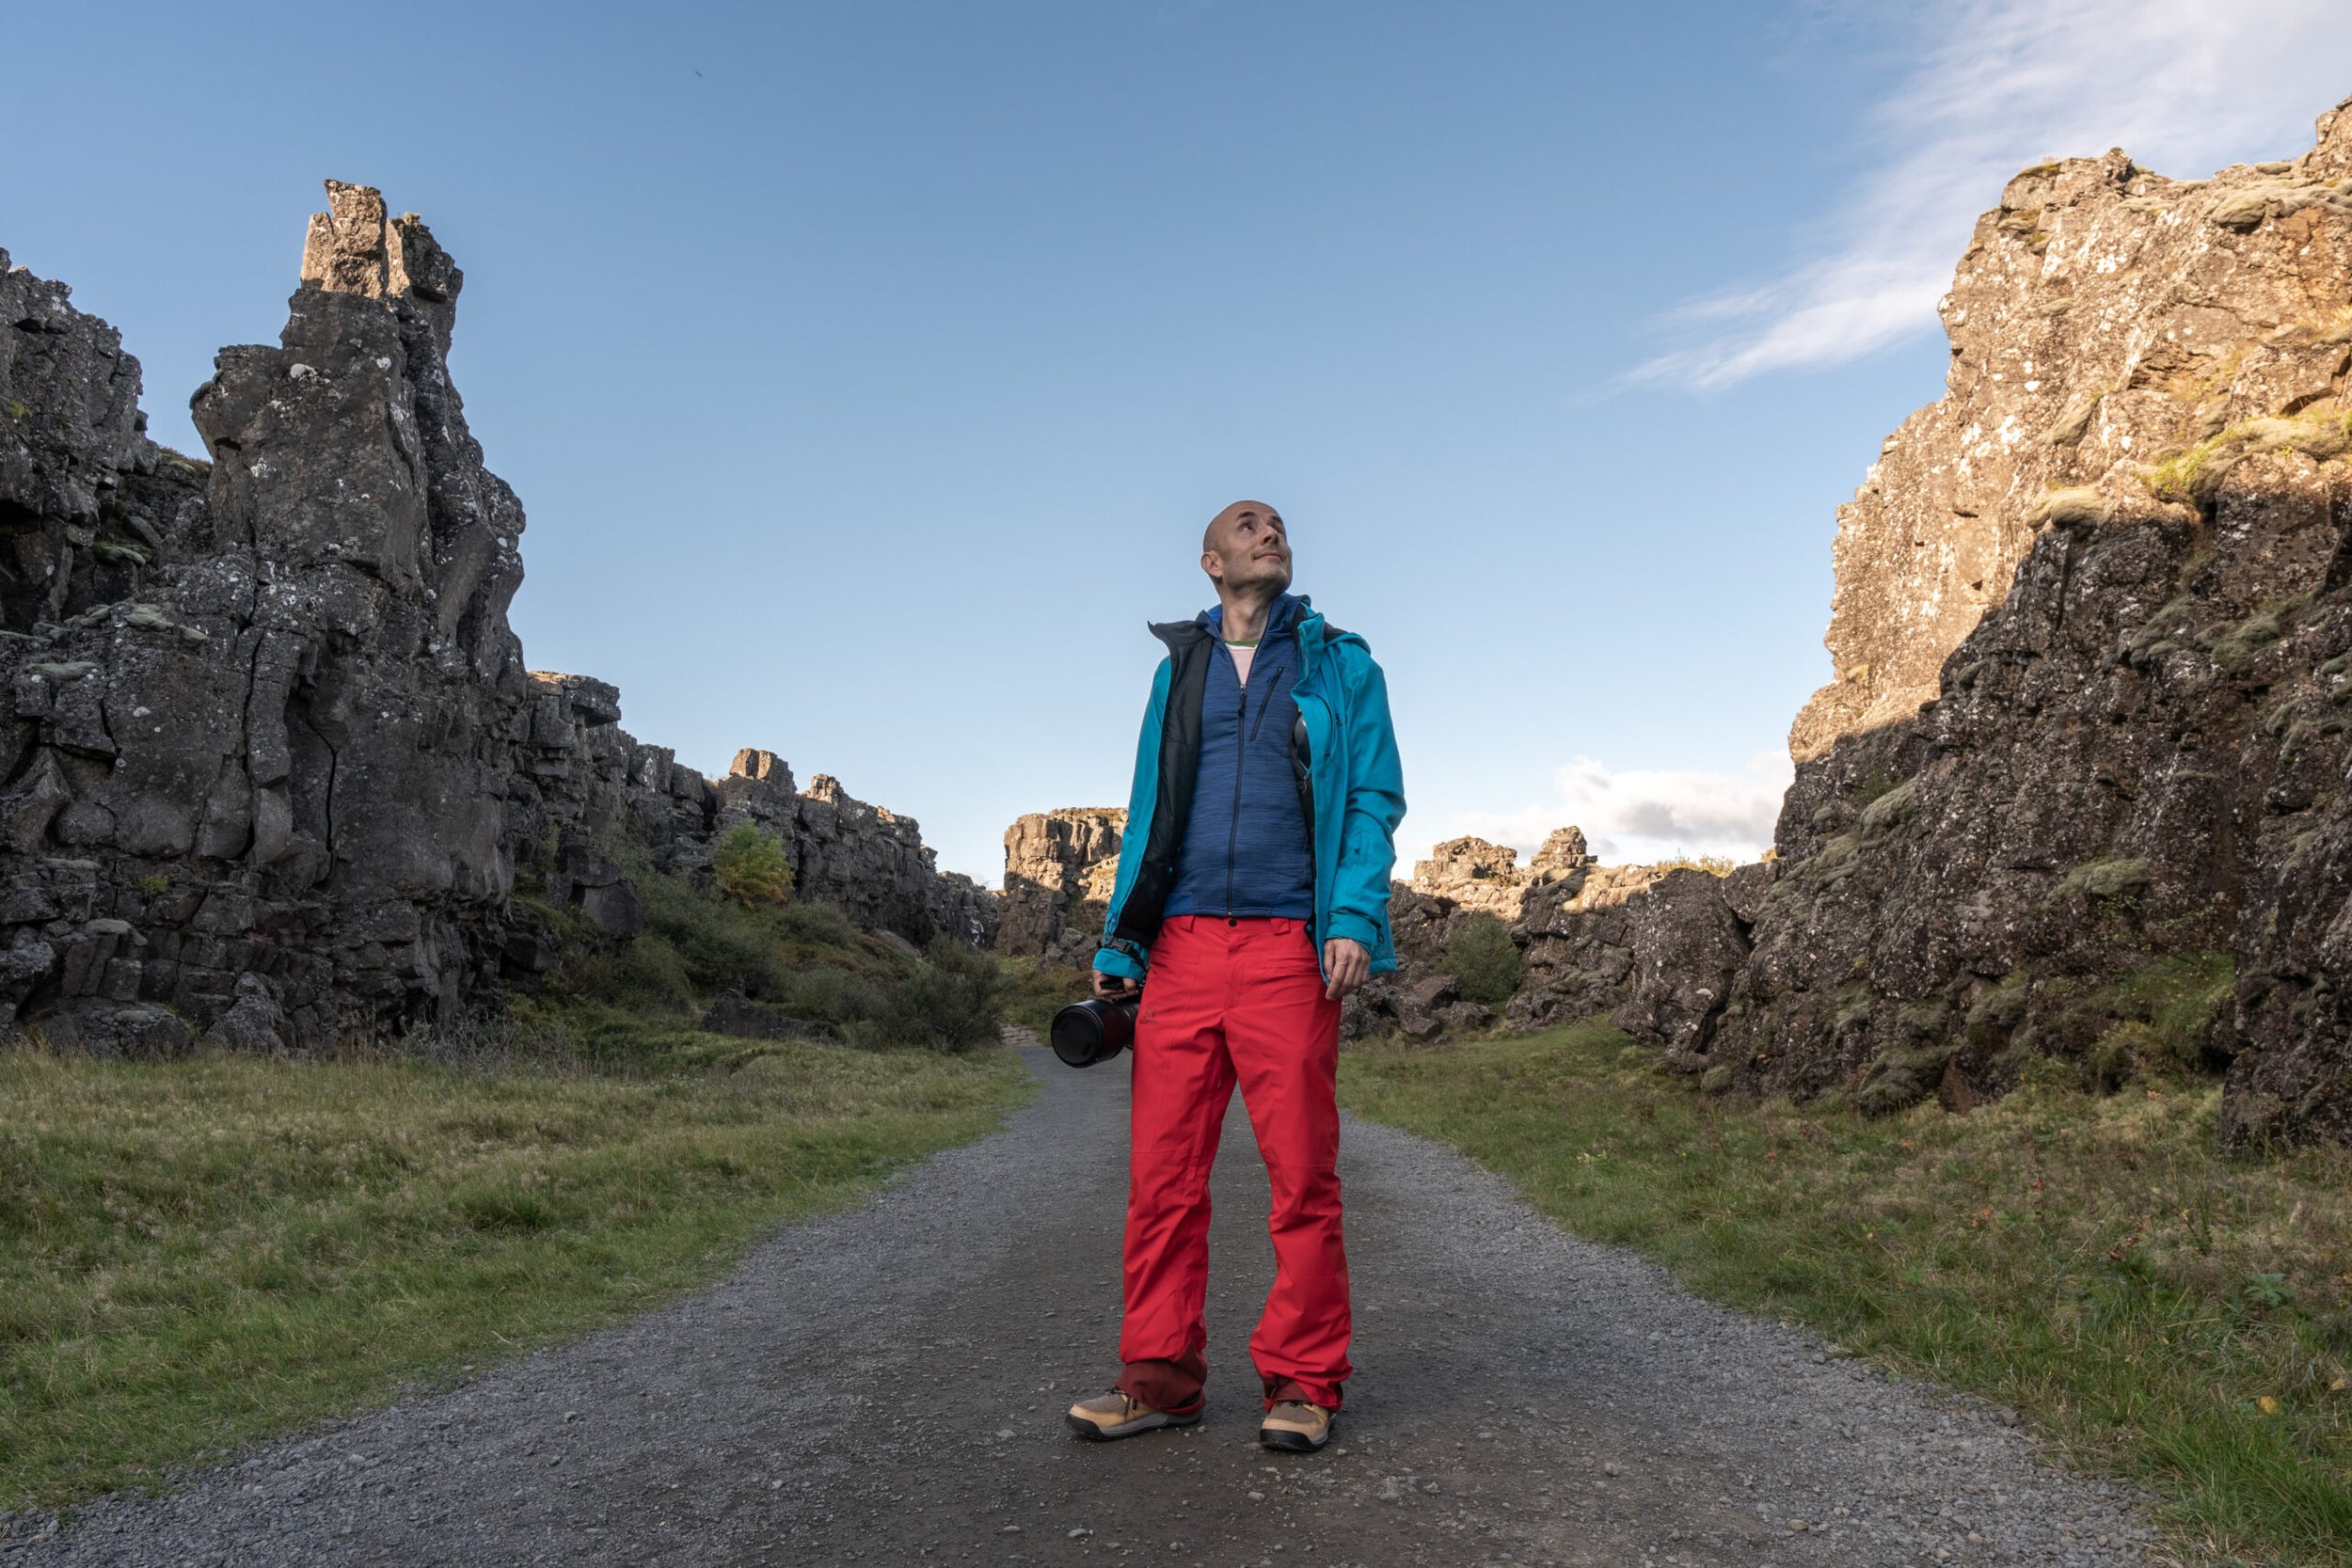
column 1092, row 1031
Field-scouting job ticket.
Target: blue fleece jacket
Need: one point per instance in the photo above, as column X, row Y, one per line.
column 1246, row 847
column 1354, row 787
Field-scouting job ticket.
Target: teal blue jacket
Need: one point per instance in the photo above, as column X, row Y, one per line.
column 1344, row 763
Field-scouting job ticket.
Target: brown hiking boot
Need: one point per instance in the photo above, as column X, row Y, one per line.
column 1296, row 1426
column 1118, row 1414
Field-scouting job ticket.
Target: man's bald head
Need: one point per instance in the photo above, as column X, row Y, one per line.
column 1247, row 550
column 1233, row 514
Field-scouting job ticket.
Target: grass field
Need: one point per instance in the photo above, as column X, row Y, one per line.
column 197, row 1253
column 2152, row 1307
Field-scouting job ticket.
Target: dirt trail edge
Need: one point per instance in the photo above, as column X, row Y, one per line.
column 886, row 1385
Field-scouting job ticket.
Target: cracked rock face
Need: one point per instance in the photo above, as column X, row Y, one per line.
column 2131, row 778
column 272, row 754
column 1059, row 867
column 2102, row 316
column 1472, row 874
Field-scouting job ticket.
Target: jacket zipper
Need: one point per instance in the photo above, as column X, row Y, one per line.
column 1241, row 758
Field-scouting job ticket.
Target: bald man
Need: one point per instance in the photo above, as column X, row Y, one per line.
column 1253, row 890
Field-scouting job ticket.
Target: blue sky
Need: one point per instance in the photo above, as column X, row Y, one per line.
column 868, row 371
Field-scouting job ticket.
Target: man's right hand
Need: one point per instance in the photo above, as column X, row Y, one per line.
column 1116, row 987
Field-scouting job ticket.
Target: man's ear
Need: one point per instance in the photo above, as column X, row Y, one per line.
column 1211, row 565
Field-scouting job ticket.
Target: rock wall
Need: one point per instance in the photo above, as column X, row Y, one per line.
column 271, row 754
column 1059, row 867
column 2102, row 316
column 2121, row 822
column 1655, row 947
column 1472, row 874
column 867, row 859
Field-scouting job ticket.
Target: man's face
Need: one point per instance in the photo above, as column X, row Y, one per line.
column 1247, row 547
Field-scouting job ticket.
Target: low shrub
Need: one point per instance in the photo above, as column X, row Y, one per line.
column 1483, row 960
column 1034, row 992
column 750, row 868
column 950, row 1002
column 720, row 944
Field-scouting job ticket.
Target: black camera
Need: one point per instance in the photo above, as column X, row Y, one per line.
column 1094, row 1030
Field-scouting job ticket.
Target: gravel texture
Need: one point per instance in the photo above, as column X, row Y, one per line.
column 886, row 1385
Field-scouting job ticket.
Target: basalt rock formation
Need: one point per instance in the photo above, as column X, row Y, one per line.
column 1472, row 874
column 2102, row 317
column 2115, row 563
column 1058, row 870
column 1654, row 947
column 272, row 758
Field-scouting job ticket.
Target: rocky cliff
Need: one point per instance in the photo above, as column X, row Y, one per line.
column 1472, row 874
column 272, row 754
column 2102, row 317
column 2115, row 564
column 1058, row 870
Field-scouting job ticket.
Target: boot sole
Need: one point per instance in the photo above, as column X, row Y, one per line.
column 1158, row 1420
column 1293, row 1442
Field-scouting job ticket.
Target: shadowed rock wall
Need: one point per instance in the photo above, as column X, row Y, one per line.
column 271, row 752
column 2121, row 824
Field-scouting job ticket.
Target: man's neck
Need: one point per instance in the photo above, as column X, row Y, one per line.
column 1244, row 615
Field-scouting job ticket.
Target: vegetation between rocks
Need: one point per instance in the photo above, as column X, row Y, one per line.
column 1483, row 960
column 2146, row 1303
column 802, row 968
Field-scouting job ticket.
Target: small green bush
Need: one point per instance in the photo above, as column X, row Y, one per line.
column 750, row 868
column 1484, row 960
column 818, row 924
column 826, row 994
column 951, row 1001
column 646, row 975
column 720, row 944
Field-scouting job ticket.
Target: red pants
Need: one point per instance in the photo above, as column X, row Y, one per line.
column 1232, row 1001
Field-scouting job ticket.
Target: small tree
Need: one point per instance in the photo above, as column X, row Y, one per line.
column 1483, row 960
column 750, row 866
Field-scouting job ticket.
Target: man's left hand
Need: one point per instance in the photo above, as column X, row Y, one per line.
column 1347, row 964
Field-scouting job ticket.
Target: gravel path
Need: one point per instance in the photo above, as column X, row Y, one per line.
column 886, row 1385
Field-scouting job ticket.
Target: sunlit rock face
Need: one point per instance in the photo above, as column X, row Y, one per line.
column 1059, row 867
column 273, row 757
column 2103, row 318
column 2114, row 563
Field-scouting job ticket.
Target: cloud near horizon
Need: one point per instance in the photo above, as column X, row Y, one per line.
column 1642, row 814
column 2184, row 86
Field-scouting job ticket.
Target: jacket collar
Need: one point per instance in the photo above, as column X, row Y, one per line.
column 1289, row 612
column 1283, row 615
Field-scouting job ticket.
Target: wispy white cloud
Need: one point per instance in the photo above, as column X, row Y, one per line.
column 1650, row 814
column 2183, row 85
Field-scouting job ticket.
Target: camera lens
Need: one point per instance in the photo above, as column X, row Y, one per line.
column 1092, row 1031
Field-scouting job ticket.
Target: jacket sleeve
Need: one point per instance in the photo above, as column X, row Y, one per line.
column 1141, row 796
column 1375, row 804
